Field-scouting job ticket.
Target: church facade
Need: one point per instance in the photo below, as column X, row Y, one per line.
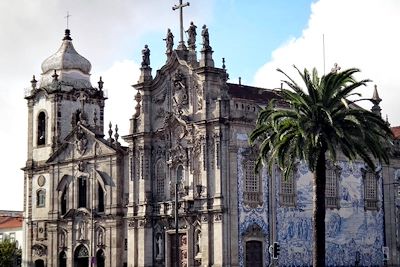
column 183, row 190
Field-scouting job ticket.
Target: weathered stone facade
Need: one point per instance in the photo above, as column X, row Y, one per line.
column 87, row 198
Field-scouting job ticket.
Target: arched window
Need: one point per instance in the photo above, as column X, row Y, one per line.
column 100, row 258
column 41, row 198
column 100, row 198
column 160, row 180
column 82, row 192
column 41, row 131
column 62, row 259
column 64, row 196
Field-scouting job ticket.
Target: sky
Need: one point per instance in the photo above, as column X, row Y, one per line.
column 255, row 38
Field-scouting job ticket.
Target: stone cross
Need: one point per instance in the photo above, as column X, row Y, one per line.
column 335, row 68
column 181, row 45
column 67, row 17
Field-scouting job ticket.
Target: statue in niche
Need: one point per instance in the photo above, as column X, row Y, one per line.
column 192, row 36
column 169, row 41
column 81, row 230
column 146, row 57
column 100, row 237
column 159, row 242
column 198, row 242
column 62, row 240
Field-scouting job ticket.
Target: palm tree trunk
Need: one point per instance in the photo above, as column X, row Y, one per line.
column 319, row 211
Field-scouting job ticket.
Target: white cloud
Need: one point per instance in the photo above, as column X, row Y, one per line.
column 358, row 33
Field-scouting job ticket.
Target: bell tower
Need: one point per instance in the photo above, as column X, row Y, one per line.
column 62, row 99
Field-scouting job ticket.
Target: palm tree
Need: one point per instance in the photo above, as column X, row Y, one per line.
column 319, row 122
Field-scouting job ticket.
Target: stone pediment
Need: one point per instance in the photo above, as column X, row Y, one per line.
column 81, row 143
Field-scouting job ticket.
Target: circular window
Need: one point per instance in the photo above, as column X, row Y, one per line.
column 41, row 181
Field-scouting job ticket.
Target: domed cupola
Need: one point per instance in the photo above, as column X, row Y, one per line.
column 71, row 68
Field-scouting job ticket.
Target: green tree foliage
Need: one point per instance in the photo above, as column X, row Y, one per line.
column 314, row 123
column 9, row 253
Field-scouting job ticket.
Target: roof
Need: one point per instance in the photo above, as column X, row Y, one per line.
column 10, row 222
column 396, row 132
column 257, row 94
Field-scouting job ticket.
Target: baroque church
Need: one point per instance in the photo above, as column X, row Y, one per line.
column 183, row 191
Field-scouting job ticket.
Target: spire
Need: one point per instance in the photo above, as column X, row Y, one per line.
column 376, row 100
column 375, row 97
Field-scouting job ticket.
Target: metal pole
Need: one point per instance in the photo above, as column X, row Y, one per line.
column 176, row 225
column 181, row 18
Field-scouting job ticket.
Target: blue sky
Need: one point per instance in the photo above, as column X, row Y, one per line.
column 255, row 37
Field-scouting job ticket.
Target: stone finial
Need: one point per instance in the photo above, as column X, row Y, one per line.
column 335, row 68
column 33, row 82
column 223, row 64
column 110, row 132
column 100, row 83
column 146, row 57
column 116, row 135
column 55, row 76
column 67, row 35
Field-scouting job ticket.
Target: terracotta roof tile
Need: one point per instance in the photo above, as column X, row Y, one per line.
column 396, row 132
column 257, row 94
column 10, row 222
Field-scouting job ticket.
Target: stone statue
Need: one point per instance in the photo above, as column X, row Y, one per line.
column 169, row 41
column 100, row 238
column 81, row 230
column 146, row 56
column 192, row 35
column 206, row 38
column 158, row 246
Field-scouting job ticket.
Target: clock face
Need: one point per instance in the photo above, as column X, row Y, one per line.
column 41, row 181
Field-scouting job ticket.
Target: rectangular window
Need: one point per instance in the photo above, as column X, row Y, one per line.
column 252, row 194
column 288, row 191
column 331, row 188
column 12, row 237
column 370, row 191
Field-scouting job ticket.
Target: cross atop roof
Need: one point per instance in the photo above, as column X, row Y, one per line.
column 67, row 17
column 181, row 45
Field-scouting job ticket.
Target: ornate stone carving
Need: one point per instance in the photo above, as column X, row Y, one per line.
column 39, row 250
column 217, row 217
column 180, row 93
column 81, row 141
column 199, row 94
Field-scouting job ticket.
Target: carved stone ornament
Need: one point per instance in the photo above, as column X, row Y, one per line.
column 180, row 92
column 39, row 250
column 218, row 217
column 81, row 141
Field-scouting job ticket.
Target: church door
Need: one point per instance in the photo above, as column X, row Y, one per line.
column 39, row 263
column 81, row 257
column 183, row 251
column 254, row 255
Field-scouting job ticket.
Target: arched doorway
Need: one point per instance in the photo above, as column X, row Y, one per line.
column 39, row 263
column 254, row 254
column 100, row 258
column 62, row 259
column 81, row 256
